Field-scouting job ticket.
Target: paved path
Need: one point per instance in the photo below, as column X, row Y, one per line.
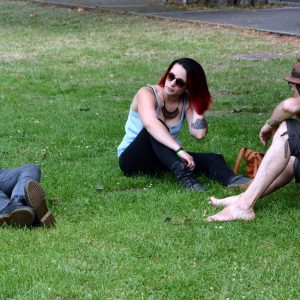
column 277, row 20
column 282, row 21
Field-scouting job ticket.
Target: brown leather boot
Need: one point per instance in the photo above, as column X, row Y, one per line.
column 35, row 197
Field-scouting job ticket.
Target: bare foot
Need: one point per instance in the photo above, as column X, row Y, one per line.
column 223, row 202
column 232, row 212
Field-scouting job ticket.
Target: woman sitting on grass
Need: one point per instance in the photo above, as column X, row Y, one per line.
column 155, row 119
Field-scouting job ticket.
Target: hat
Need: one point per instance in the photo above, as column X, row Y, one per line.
column 295, row 75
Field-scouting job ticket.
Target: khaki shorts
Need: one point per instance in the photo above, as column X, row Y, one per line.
column 293, row 131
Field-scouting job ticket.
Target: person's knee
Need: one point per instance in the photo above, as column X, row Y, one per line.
column 283, row 126
column 35, row 169
column 281, row 131
column 290, row 169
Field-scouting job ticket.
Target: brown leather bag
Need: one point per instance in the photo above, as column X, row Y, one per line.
column 253, row 160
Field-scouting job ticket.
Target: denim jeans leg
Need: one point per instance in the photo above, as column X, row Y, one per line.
column 13, row 181
column 4, row 200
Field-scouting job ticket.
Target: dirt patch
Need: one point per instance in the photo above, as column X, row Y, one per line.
column 12, row 58
column 260, row 56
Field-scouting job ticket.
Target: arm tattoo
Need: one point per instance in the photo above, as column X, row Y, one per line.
column 200, row 124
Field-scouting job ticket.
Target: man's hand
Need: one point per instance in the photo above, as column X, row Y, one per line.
column 266, row 133
column 295, row 90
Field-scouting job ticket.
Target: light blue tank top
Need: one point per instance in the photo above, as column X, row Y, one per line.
column 134, row 124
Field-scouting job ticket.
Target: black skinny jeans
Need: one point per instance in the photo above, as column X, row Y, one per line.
column 147, row 156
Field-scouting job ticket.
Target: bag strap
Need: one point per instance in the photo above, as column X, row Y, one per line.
column 257, row 161
column 238, row 160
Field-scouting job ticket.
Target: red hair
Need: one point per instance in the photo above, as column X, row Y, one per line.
column 196, row 83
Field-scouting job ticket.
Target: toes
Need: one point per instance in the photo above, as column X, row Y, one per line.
column 214, row 201
column 209, row 219
column 213, row 218
column 217, row 202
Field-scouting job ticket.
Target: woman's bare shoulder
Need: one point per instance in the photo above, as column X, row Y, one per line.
column 145, row 91
column 144, row 94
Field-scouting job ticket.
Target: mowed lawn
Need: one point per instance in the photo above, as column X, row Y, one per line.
column 66, row 81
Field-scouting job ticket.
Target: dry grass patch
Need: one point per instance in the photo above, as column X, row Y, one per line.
column 14, row 57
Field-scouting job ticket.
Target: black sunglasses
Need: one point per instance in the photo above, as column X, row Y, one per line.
column 179, row 82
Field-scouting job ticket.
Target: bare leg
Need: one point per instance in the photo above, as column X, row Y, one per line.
column 284, row 178
column 273, row 164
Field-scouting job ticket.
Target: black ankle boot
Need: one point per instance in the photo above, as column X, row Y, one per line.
column 186, row 177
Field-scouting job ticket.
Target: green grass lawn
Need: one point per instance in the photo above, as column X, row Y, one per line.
column 66, row 82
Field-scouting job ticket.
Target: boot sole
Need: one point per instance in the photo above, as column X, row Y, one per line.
column 242, row 186
column 35, row 197
column 19, row 217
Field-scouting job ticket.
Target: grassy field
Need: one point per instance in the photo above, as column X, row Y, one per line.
column 66, row 82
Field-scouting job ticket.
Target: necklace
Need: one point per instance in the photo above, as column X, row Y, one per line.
column 169, row 114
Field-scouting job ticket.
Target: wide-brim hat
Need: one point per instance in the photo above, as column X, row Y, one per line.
column 295, row 75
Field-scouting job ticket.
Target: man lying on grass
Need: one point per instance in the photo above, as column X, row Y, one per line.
column 280, row 163
column 22, row 199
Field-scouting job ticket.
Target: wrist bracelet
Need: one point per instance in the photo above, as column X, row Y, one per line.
column 270, row 126
column 178, row 150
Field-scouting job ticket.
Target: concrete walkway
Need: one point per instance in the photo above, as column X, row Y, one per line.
column 284, row 20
